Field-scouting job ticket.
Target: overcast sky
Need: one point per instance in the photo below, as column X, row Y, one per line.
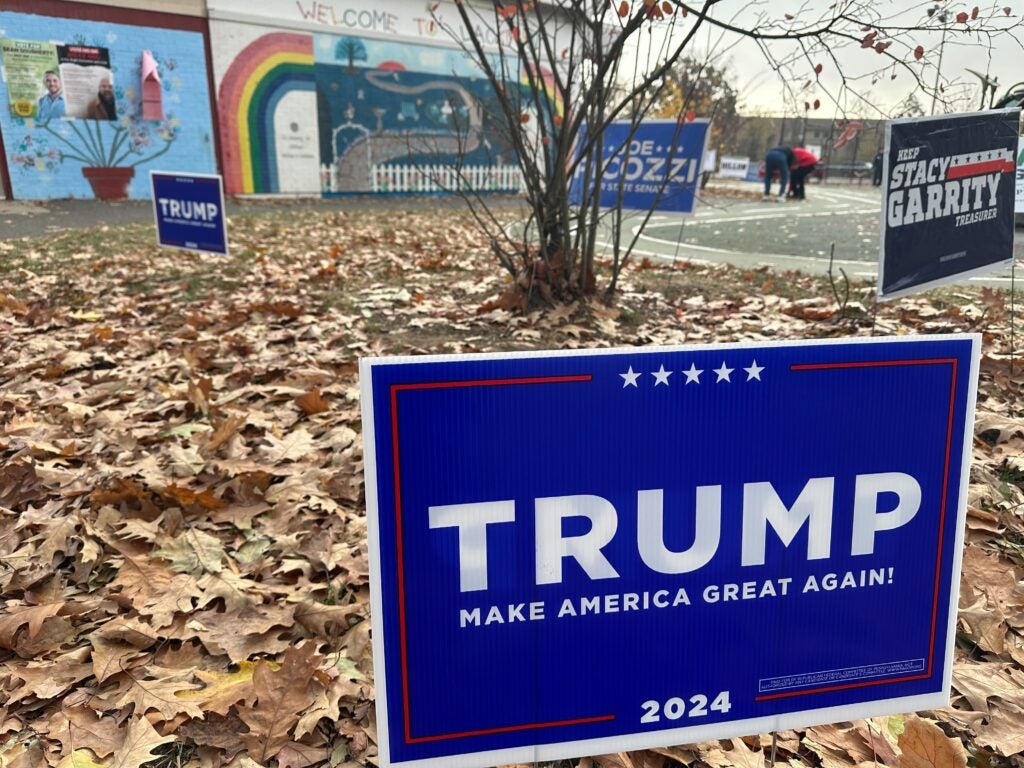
column 870, row 87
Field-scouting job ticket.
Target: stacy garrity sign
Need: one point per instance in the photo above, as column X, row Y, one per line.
column 585, row 552
column 948, row 199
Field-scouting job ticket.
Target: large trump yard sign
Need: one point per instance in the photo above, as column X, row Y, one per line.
column 577, row 553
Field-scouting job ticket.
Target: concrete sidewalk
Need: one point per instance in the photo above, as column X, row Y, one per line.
column 35, row 218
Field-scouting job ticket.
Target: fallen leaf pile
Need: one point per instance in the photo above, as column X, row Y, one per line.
column 182, row 531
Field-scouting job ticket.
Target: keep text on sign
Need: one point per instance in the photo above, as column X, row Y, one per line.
column 580, row 553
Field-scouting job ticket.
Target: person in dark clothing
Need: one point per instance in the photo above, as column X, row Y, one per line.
column 805, row 163
column 779, row 159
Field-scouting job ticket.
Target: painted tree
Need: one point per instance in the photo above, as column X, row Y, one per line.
column 590, row 62
column 350, row 49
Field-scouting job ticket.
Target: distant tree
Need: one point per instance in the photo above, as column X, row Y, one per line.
column 755, row 133
column 694, row 85
column 909, row 107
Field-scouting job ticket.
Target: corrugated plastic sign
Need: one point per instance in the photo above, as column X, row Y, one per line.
column 586, row 552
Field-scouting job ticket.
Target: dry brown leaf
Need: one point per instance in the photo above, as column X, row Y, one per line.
column 1004, row 732
column 33, row 618
column 157, row 692
column 295, row 445
column 982, row 682
column 312, row 402
column 80, row 727
column 109, row 657
column 924, row 745
column 281, row 697
column 140, row 739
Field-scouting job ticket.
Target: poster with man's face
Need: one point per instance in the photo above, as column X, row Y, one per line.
column 28, row 65
column 88, row 82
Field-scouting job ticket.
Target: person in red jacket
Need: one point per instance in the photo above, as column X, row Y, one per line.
column 805, row 162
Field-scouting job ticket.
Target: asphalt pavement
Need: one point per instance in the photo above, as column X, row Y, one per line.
column 787, row 235
column 731, row 225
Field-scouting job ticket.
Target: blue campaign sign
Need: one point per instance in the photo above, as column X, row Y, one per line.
column 189, row 211
column 949, row 199
column 586, row 552
column 655, row 165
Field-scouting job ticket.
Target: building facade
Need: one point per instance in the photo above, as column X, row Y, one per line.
column 342, row 98
column 96, row 96
column 319, row 97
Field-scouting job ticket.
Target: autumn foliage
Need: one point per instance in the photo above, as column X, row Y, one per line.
column 183, row 555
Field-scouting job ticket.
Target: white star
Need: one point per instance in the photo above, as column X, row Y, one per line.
column 754, row 371
column 661, row 376
column 693, row 374
column 723, row 373
column 629, row 378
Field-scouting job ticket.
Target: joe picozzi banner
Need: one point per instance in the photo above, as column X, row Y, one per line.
column 655, row 165
column 949, row 196
column 578, row 553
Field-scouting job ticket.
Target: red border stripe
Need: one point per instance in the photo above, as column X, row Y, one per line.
column 976, row 169
column 400, row 553
column 952, row 361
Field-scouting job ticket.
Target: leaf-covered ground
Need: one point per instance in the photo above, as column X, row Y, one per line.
column 182, row 530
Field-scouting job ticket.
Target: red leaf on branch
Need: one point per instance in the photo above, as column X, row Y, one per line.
column 1007, row 10
column 817, row 69
column 869, row 40
column 788, row 17
column 974, row 13
column 667, row 7
column 623, row 9
column 807, row 106
column 961, row 18
column 524, row 118
column 918, row 53
column 880, row 47
column 817, row 103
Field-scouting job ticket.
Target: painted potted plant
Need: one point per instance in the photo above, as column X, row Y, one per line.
column 110, row 151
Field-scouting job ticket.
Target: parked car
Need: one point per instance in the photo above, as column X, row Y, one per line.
column 853, row 171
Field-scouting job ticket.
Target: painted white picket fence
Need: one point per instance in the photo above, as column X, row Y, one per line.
column 444, row 178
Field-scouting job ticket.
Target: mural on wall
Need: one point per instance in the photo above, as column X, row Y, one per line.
column 86, row 135
column 390, row 110
column 333, row 113
column 261, row 88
